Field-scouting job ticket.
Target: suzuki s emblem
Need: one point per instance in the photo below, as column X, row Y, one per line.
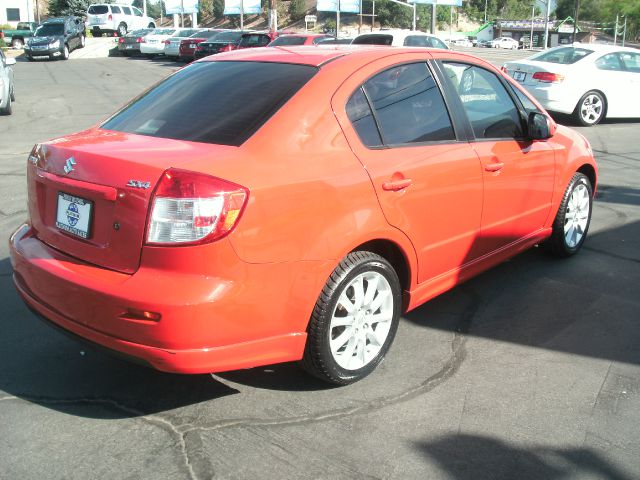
column 138, row 184
column 68, row 166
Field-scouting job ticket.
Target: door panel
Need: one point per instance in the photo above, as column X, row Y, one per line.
column 432, row 191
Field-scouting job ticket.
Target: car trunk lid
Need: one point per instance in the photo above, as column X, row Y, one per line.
column 100, row 183
column 523, row 71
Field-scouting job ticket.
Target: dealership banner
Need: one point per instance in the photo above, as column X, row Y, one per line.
column 346, row 6
column 181, row 6
column 247, row 7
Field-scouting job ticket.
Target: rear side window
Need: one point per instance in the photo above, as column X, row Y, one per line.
column 98, row 9
column 408, row 105
column 359, row 113
column 416, row 41
column 254, row 40
column 213, row 102
column 565, row 55
column 126, row 10
column 375, row 39
column 631, row 61
column 136, row 12
column 287, row 40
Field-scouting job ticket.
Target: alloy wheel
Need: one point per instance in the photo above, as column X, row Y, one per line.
column 591, row 109
column 576, row 216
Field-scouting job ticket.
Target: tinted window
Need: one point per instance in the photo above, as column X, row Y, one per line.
column 631, row 61
column 408, row 105
column 528, row 105
column 115, row 9
column 226, row 37
column 256, row 40
column 213, row 102
column 374, row 39
column 126, row 10
column 98, row 10
column 317, row 40
column 359, row 112
column 564, row 55
column 487, row 103
column 136, row 12
column 437, row 43
column 287, row 40
column 416, row 41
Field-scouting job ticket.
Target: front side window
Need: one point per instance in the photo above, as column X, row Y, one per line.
column 115, row 9
column 136, row 12
column 437, row 43
column 416, row 41
column 489, row 107
column 126, row 10
column 373, row 39
column 213, row 102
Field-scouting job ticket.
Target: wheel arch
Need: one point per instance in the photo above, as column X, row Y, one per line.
column 590, row 173
column 394, row 254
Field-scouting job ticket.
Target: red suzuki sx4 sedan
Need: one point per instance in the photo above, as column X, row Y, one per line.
column 273, row 205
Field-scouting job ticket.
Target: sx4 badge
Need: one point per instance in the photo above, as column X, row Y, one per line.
column 138, row 184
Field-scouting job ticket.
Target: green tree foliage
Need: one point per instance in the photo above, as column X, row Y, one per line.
column 61, row 8
column 297, row 10
column 508, row 9
column 603, row 14
column 153, row 8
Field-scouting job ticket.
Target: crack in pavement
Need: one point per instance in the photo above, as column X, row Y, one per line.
column 184, row 432
column 612, row 255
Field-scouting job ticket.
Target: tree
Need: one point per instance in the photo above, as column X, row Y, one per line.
column 297, row 10
column 62, row 8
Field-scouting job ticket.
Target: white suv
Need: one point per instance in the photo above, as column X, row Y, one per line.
column 116, row 17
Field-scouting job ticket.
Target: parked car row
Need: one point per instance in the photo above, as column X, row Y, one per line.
column 7, row 85
column 116, row 18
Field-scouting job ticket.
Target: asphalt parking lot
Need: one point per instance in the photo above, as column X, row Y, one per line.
column 531, row 370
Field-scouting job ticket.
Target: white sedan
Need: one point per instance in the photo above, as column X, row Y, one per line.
column 153, row 43
column 505, row 42
column 589, row 81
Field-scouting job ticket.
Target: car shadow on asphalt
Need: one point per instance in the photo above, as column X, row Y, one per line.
column 476, row 457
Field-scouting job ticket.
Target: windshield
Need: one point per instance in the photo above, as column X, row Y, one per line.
column 213, row 102
column 226, row 37
column 287, row 40
column 98, row 10
column 163, row 31
column 564, row 55
column 50, row 30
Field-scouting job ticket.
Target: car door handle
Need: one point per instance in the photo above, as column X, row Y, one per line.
column 395, row 185
column 494, row 167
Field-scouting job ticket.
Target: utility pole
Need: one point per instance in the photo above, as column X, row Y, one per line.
column 615, row 32
column 338, row 20
column 273, row 15
column 241, row 15
column 373, row 16
column 433, row 19
column 533, row 13
column 546, row 25
column 485, row 10
column 576, row 11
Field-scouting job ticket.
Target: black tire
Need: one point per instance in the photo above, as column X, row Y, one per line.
column 557, row 244
column 8, row 109
column 151, row 25
column 13, row 94
column 589, row 112
column 83, row 41
column 125, row 54
column 96, row 33
column 65, row 52
column 122, row 29
column 318, row 359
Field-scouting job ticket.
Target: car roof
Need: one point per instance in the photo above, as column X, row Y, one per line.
column 316, row 55
column 397, row 33
column 601, row 47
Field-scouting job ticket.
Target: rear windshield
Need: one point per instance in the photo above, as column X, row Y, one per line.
column 213, row 102
column 98, row 9
column 50, row 30
column 226, row 37
column 565, row 55
column 373, row 40
column 287, row 40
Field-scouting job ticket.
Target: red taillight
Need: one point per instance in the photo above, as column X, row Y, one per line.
column 548, row 77
column 140, row 40
column 227, row 48
column 189, row 208
column 121, row 40
column 167, row 42
column 503, row 69
column 110, row 17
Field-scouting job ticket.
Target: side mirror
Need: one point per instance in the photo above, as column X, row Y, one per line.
column 538, row 126
column 9, row 61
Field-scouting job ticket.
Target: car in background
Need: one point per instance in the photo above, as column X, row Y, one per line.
column 400, row 38
column 462, row 42
column 153, row 43
column 7, row 84
column 188, row 45
column 482, row 43
column 171, row 46
column 589, row 81
column 221, row 42
column 17, row 37
column 170, row 226
column 257, row 39
column 116, row 18
column 130, row 43
column 300, row 39
column 335, row 41
column 56, row 38
column 505, row 42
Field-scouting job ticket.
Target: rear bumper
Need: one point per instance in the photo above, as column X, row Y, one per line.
column 555, row 98
column 208, row 324
column 154, row 48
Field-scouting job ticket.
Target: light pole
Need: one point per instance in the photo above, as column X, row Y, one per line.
column 546, row 25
